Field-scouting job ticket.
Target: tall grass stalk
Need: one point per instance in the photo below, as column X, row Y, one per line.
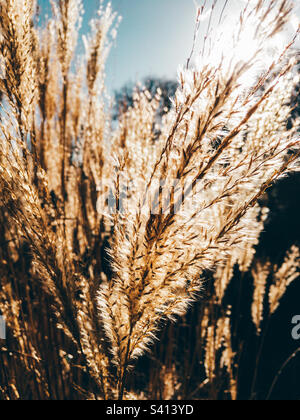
column 107, row 233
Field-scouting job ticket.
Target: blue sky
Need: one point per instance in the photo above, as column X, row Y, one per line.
column 154, row 37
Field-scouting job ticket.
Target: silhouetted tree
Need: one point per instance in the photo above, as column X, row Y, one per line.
column 124, row 97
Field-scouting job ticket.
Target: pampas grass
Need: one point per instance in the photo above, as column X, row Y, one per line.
column 108, row 233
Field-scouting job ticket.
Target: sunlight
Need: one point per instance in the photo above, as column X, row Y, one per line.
column 229, row 37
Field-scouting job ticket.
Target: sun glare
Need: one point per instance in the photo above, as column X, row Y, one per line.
column 231, row 36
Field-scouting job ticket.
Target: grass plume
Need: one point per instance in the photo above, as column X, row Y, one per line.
column 107, row 233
